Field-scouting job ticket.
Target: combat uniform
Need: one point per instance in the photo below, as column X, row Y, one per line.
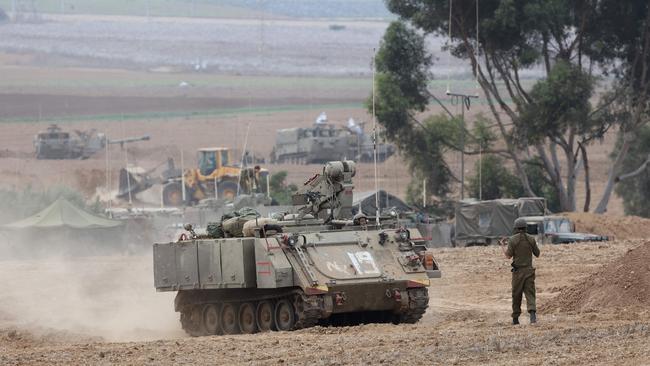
column 521, row 248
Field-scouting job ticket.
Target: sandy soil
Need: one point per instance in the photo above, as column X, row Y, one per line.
column 97, row 316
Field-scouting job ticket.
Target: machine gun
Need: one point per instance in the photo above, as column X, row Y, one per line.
column 327, row 195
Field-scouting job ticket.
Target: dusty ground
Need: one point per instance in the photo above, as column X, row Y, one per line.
column 105, row 311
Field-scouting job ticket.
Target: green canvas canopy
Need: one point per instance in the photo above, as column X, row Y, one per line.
column 495, row 218
column 63, row 214
column 367, row 203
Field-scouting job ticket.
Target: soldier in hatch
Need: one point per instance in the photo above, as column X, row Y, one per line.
column 250, row 179
column 521, row 248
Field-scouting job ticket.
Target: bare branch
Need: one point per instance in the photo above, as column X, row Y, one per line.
column 634, row 173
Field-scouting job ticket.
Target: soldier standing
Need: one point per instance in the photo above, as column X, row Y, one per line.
column 521, row 248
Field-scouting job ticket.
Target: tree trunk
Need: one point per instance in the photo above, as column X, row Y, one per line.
column 554, row 172
column 611, row 178
column 570, row 181
column 585, row 162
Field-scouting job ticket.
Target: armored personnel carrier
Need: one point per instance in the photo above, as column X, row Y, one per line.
column 325, row 142
column 317, row 265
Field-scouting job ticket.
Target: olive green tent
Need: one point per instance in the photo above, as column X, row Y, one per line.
column 366, row 202
column 63, row 214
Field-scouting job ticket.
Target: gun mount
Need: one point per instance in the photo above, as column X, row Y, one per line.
column 328, row 195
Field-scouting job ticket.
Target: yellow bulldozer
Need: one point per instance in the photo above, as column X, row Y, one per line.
column 217, row 176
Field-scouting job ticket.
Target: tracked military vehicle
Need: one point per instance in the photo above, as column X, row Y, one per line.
column 54, row 143
column 325, row 142
column 317, row 265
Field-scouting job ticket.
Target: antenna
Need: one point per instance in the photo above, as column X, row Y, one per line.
column 476, row 49
column 463, row 99
column 374, row 137
column 480, row 172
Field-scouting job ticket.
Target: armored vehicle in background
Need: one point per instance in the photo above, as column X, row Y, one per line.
column 317, row 265
column 325, row 142
column 55, row 143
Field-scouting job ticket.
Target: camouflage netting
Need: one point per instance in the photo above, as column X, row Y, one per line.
column 624, row 283
column 215, row 230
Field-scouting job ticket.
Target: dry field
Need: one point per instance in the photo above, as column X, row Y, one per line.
column 104, row 310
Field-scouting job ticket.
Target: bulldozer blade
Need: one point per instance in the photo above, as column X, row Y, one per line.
column 131, row 183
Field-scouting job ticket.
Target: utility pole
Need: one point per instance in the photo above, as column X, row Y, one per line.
column 466, row 101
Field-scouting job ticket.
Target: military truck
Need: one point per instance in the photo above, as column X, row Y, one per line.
column 324, row 142
column 557, row 230
column 485, row 222
column 315, row 265
column 54, row 143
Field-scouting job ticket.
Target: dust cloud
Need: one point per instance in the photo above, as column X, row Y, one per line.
column 107, row 297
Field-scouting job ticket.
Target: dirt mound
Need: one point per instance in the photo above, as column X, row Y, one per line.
column 619, row 227
column 624, row 283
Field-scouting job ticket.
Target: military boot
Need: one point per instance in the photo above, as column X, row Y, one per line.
column 515, row 321
column 533, row 317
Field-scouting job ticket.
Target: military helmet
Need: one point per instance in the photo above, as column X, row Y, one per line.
column 520, row 223
column 360, row 219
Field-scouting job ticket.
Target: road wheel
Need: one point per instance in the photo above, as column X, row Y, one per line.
column 227, row 190
column 211, row 319
column 229, row 319
column 191, row 321
column 173, row 194
column 285, row 316
column 264, row 316
column 247, row 323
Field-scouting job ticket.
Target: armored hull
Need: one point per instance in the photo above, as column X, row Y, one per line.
column 296, row 279
column 326, row 142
